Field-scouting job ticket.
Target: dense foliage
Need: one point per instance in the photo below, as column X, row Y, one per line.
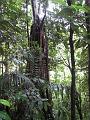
column 67, row 31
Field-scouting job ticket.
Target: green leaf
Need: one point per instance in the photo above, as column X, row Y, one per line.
column 5, row 102
column 59, row 1
column 79, row 8
column 67, row 12
column 4, row 116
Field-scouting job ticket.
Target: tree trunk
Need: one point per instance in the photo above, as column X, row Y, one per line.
column 89, row 72
column 88, row 38
column 27, row 25
column 39, row 68
column 73, row 88
column 73, row 74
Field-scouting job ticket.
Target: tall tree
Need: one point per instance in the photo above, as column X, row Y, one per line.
column 39, row 68
column 71, row 43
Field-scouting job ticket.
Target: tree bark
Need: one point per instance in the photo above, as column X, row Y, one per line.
column 88, row 38
column 89, row 72
column 40, row 64
column 72, row 73
column 27, row 25
column 33, row 4
column 73, row 88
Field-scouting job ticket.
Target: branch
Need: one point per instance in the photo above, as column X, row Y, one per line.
column 42, row 21
column 33, row 9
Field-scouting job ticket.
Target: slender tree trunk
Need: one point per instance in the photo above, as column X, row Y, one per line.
column 27, row 25
column 34, row 11
column 73, row 88
column 72, row 73
column 6, row 58
column 88, row 37
column 89, row 72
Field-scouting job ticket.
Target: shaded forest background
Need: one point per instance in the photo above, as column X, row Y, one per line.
column 45, row 60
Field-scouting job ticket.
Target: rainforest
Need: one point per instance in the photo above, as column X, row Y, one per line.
column 44, row 59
